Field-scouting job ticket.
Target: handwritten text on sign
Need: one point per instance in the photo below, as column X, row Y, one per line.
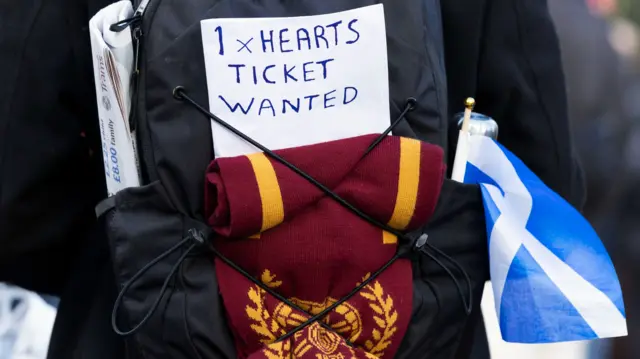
column 289, row 82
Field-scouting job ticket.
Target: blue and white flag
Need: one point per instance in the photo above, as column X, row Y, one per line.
column 553, row 280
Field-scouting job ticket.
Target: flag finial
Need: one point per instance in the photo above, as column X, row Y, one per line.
column 469, row 103
column 462, row 148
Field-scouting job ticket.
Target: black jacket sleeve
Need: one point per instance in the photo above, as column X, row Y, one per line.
column 50, row 159
column 506, row 54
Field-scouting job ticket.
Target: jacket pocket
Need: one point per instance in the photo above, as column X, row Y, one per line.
column 168, row 306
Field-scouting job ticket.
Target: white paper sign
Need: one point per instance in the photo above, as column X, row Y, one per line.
column 288, row 82
column 112, row 65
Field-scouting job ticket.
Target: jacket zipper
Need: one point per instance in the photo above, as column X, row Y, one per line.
column 138, row 31
column 136, row 34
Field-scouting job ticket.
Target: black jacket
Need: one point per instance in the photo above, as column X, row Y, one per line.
column 507, row 54
column 502, row 52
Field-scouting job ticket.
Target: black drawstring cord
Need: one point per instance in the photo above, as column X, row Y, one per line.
column 200, row 240
column 410, row 106
column 260, row 284
column 423, row 241
column 130, row 282
column 180, row 94
column 400, row 253
column 123, row 24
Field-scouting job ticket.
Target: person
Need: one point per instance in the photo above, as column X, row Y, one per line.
column 504, row 53
column 600, row 85
column 627, row 250
column 596, row 84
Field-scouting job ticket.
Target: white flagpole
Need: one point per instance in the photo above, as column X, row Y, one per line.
column 462, row 148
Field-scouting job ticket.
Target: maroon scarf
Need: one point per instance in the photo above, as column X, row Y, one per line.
column 310, row 249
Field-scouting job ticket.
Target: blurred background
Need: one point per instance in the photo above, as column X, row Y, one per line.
column 600, row 41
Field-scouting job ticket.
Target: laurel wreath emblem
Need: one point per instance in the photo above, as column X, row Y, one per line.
column 385, row 319
column 270, row 329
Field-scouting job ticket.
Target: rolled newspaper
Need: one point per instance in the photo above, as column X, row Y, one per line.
column 112, row 65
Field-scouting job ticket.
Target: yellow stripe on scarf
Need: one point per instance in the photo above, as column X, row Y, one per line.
column 407, row 188
column 270, row 195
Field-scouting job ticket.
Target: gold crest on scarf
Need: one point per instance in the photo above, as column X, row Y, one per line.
column 345, row 320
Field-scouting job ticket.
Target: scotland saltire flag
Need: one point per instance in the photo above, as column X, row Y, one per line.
column 553, row 280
